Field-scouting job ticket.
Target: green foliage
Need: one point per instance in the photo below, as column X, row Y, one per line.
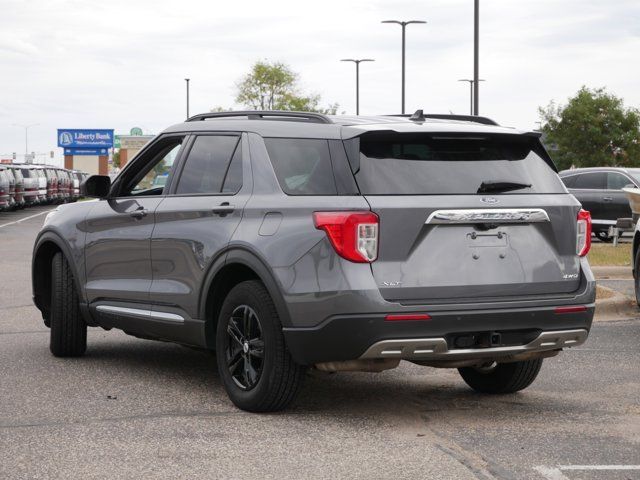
column 116, row 159
column 593, row 129
column 274, row 86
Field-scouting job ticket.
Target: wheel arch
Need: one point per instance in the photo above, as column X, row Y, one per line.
column 46, row 246
column 634, row 251
column 238, row 265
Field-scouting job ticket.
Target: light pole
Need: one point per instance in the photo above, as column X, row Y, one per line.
column 187, row 80
column 404, row 26
column 26, row 137
column 357, row 62
column 471, row 82
column 476, row 55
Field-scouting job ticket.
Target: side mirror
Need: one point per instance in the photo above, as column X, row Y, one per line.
column 630, row 185
column 96, row 186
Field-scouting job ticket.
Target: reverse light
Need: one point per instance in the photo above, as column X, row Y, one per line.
column 353, row 235
column 583, row 233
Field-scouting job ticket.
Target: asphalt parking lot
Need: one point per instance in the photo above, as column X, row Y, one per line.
column 141, row 409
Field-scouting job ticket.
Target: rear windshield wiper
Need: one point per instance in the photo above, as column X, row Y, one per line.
column 499, row 186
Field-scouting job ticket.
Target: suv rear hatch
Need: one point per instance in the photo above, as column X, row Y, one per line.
column 464, row 216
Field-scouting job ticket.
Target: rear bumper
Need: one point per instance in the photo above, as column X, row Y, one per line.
column 352, row 337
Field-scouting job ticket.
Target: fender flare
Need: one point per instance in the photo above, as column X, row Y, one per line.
column 244, row 256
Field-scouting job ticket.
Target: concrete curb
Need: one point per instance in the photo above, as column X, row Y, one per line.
column 617, row 307
column 612, row 273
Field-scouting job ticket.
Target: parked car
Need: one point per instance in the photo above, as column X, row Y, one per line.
column 12, row 188
column 285, row 240
column 31, row 185
column 5, row 199
column 52, row 185
column 19, row 185
column 599, row 190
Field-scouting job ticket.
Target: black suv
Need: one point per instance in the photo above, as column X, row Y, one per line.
column 599, row 190
column 283, row 240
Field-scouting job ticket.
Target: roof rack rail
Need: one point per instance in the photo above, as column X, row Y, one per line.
column 419, row 116
column 266, row 115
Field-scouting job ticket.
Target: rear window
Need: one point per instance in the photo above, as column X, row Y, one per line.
column 419, row 164
column 303, row 166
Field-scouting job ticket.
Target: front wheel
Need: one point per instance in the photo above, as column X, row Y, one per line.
column 501, row 377
column 255, row 366
column 68, row 328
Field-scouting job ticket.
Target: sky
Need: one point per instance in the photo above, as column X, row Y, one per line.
column 119, row 64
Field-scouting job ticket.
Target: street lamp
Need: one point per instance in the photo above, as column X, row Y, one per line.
column 471, row 82
column 404, row 26
column 357, row 62
column 476, row 56
column 187, row 80
column 26, row 136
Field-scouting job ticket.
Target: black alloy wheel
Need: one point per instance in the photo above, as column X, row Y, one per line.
column 244, row 350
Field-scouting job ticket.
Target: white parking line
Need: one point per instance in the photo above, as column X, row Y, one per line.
column 555, row 473
column 26, row 218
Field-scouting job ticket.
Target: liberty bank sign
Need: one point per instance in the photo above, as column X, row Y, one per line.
column 85, row 142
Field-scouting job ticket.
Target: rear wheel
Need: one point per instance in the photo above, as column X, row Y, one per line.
column 636, row 279
column 255, row 366
column 68, row 329
column 501, row 377
column 604, row 236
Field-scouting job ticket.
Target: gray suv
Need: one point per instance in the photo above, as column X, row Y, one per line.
column 287, row 240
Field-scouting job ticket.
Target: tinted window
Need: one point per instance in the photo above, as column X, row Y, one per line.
column 593, row 181
column 26, row 173
column 617, row 181
column 207, row 164
column 302, row 166
column 233, row 179
column 569, row 181
column 432, row 164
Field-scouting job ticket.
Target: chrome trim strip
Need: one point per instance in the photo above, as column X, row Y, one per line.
column 137, row 312
column 494, row 215
column 603, row 222
column 437, row 349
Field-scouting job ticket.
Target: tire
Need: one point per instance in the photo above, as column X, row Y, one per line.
column 249, row 331
column 503, row 377
column 68, row 329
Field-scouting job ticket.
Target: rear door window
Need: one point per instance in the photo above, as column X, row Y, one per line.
column 302, row 166
column 208, row 165
column 592, row 181
column 446, row 164
column 570, row 181
column 617, row 181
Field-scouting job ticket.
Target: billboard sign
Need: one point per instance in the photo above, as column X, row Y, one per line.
column 74, row 138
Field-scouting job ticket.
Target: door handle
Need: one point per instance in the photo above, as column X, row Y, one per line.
column 223, row 209
column 607, row 199
column 139, row 213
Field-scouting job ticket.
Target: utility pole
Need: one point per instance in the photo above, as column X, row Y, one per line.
column 26, row 137
column 476, row 59
column 404, row 26
column 357, row 62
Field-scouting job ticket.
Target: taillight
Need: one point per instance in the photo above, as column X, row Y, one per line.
column 353, row 235
column 583, row 235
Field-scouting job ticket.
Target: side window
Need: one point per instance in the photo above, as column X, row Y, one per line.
column 302, row 166
column 617, row 181
column 570, row 181
column 152, row 178
column 211, row 160
column 592, row 181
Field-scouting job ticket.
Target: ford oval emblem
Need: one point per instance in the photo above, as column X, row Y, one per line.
column 490, row 200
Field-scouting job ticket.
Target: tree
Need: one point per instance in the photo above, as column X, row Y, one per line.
column 274, row 86
column 593, row 129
